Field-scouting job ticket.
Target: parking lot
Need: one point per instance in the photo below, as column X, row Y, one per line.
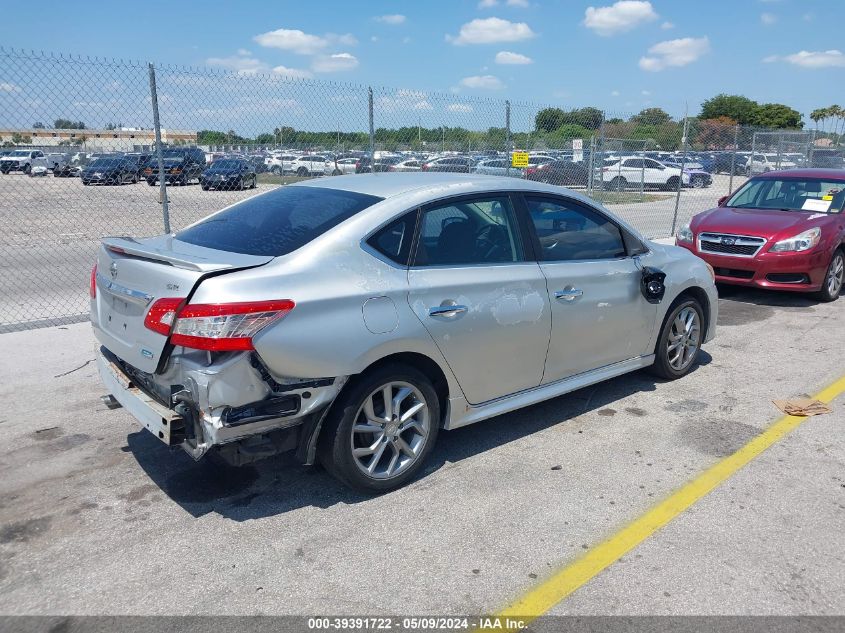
column 50, row 228
column 502, row 507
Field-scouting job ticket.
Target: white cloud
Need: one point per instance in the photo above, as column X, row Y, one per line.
column 240, row 63
column 395, row 18
column 373, row 38
column 492, row 30
column 646, row 93
column 666, row 26
column 621, row 16
column 487, row 4
column 459, row 107
column 674, row 53
column 811, row 59
column 292, row 40
column 768, row 18
column 244, row 52
column 522, row 4
column 506, row 57
column 405, row 100
column 347, row 39
column 5, row 86
column 406, row 40
column 334, row 63
column 614, row 93
column 482, row 82
column 296, row 73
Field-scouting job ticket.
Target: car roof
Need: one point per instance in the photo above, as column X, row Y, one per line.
column 827, row 174
column 387, row 185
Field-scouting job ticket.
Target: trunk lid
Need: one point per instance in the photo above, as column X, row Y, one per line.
column 132, row 274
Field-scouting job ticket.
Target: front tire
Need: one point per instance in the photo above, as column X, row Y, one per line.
column 302, row 172
column 680, row 340
column 381, row 429
column 833, row 279
column 617, row 184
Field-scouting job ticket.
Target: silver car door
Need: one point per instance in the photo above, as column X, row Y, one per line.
column 599, row 315
column 483, row 303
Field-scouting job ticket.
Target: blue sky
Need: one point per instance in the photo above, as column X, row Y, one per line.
column 621, row 56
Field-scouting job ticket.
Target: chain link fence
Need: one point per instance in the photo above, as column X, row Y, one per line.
column 65, row 121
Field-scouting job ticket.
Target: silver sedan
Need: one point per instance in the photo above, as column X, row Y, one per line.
column 350, row 319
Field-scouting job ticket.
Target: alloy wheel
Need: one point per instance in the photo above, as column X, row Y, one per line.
column 684, row 339
column 390, row 430
column 835, row 274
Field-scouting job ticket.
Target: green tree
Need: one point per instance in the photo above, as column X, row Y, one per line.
column 741, row 109
column 651, row 116
column 38, row 125
column 590, row 118
column 777, row 115
column 20, row 139
column 715, row 133
column 67, row 124
column 549, row 119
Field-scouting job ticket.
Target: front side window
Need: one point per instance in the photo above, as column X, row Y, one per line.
column 571, row 232
column 469, row 231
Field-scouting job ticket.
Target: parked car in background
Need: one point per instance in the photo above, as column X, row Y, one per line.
column 19, row 160
column 496, row 167
column 54, row 160
column 828, row 159
column 621, row 173
column 181, row 166
column 724, row 162
column 109, row 171
column 349, row 319
column 563, row 173
column 142, row 161
column 229, row 174
column 346, row 165
column 365, row 165
column 456, row 164
column 762, row 163
column 782, row 230
column 408, row 164
column 312, row 166
column 280, row 164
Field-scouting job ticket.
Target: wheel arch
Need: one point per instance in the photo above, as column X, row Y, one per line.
column 691, row 292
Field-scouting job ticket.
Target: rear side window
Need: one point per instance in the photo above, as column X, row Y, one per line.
column 394, row 240
column 277, row 223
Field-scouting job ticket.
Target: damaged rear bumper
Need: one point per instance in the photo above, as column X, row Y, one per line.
column 231, row 404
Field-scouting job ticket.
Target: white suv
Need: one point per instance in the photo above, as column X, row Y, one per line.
column 280, row 164
column 20, row 160
column 623, row 172
column 312, row 166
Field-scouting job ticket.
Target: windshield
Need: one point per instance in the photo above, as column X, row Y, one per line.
column 791, row 194
column 277, row 223
column 20, row 152
column 173, row 153
column 105, row 163
column 226, row 164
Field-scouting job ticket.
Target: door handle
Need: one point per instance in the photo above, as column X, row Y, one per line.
column 447, row 310
column 569, row 294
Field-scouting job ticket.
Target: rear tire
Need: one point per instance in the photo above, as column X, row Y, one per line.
column 302, row 172
column 680, row 340
column 27, row 169
column 833, row 278
column 617, row 184
column 379, row 455
column 151, row 183
column 672, row 183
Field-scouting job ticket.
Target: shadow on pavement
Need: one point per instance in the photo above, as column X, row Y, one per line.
column 279, row 484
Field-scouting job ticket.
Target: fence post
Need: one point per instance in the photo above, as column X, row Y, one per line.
column 681, row 179
column 508, row 142
column 590, row 174
column 165, row 208
column 372, row 130
column 733, row 160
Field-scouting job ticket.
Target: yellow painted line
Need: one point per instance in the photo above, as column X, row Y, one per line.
column 563, row 583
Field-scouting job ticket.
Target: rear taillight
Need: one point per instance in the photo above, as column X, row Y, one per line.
column 218, row 327
column 529, row 171
column 424, row 167
column 357, row 165
column 92, row 284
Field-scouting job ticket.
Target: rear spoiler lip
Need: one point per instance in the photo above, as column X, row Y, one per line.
column 130, row 246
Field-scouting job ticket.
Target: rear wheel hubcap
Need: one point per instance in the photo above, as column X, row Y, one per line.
column 390, row 430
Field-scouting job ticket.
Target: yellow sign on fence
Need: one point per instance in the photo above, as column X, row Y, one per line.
column 519, row 159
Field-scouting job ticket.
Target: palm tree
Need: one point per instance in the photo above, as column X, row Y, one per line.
column 817, row 115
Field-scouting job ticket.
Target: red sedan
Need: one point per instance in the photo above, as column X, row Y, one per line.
column 782, row 230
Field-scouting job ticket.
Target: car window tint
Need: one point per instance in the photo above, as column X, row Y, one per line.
column 470, row 231
column 569, row 232
column 278, row 222
column 394, row 240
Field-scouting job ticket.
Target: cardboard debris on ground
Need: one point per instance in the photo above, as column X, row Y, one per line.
column 802, row 406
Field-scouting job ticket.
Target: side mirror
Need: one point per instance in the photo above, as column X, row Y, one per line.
column 723, row 200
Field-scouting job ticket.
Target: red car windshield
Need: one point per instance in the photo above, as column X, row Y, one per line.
column 790, row 194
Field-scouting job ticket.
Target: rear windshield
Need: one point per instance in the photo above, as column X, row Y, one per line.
column 277, row 223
